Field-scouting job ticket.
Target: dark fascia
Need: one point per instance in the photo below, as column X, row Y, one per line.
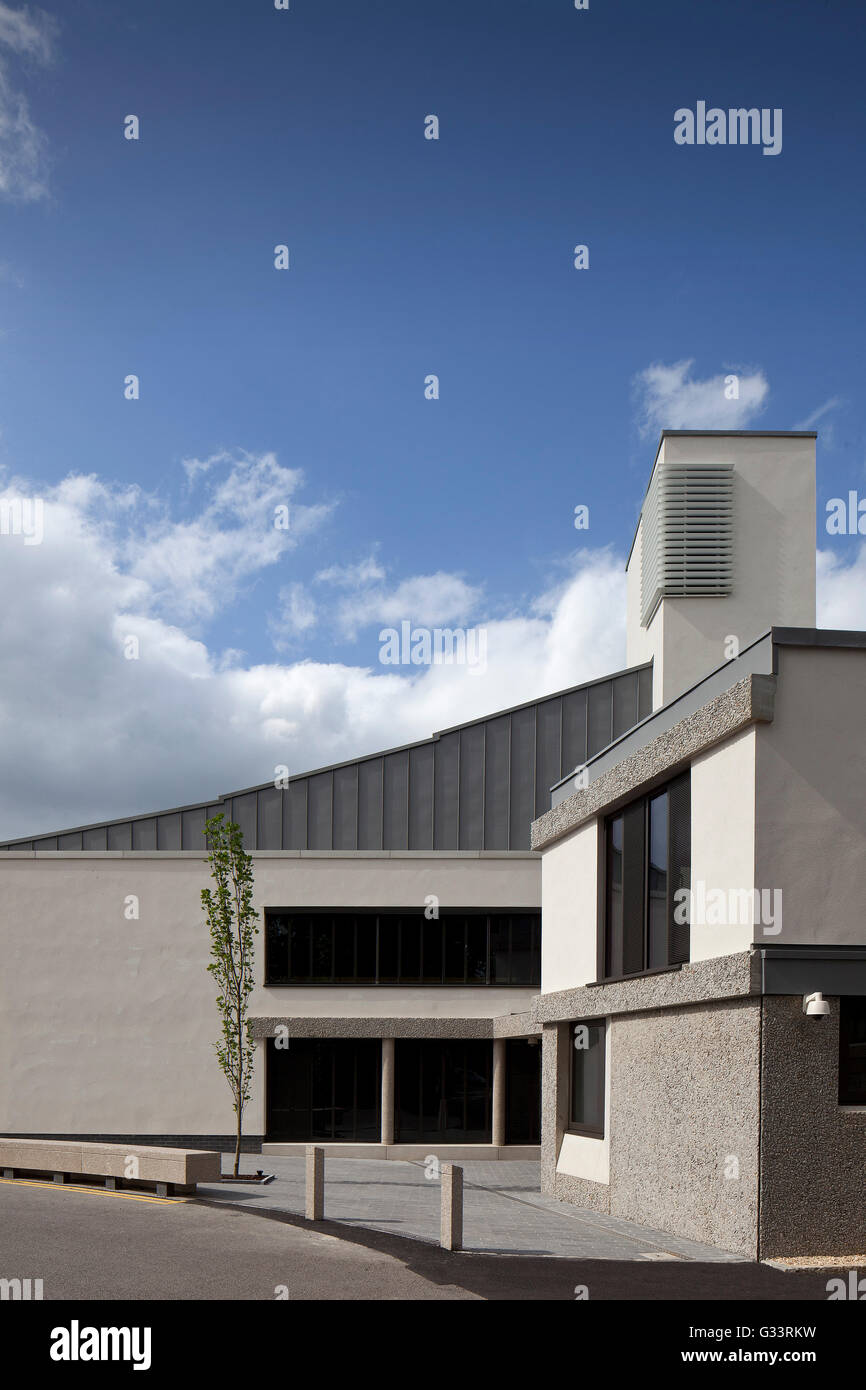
column 709, row 434
column 818, row 637
column 792, row 969
column 329, row 767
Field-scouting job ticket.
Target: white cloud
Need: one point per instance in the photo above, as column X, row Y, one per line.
column 193, row 568
column 668, row 398
column 27, row 31
column 88, row 735
column 364, row 600
column 23, row 169
column 192, row 467
column 298, row 614
column 429, row 600
column 842, row 590
column 811, row 420
column 352, row 576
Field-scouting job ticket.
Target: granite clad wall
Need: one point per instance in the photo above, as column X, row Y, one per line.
column 813, row 1152
column 685, row 1101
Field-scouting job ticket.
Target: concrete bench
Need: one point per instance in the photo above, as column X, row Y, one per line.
column 171, row 1170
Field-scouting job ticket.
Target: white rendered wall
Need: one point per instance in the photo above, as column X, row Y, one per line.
column 569, row 952
column 774, row 560
column 107, row 1025
column 723, row 843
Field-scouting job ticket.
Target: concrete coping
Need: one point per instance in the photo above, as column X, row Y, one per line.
column 501, row 1026
column 695, row 982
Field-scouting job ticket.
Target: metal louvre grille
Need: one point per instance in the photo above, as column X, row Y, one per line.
column 687, row 534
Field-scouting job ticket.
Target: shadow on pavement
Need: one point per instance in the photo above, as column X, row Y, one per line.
column 520, row 1276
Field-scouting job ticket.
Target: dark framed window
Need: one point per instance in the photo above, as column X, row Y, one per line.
column 586, row 1090
column 402, row 947
column 324, row 1088
column 852, row 1050
column 647, row 865
column 443, row 1091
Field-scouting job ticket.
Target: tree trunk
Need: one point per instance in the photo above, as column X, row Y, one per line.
column 238, row 1146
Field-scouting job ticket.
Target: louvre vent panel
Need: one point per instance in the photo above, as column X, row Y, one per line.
column 688, row 534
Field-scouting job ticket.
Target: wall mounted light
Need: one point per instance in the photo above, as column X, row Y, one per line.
column 815, row 1005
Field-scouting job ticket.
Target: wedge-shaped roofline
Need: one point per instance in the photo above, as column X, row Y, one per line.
column 739, row 691
column 474, row 786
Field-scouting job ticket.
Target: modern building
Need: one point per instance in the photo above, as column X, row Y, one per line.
column 685, row 1035
column 399, row 953
column 702, row 882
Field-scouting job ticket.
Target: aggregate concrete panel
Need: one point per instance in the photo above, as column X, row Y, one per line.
column 40, row 1155
column 152, row 1164
column 813, row 1151
column 717, row 978
column 685, row 1121
column 349, row 1027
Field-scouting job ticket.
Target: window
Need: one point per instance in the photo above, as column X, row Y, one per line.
column 402, row 948
column 443, row 1091
column 324, row 1089
column 647, row 848
column 586, row 1110
column 852, row 1050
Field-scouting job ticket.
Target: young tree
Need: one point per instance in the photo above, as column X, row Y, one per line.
column 232, row 922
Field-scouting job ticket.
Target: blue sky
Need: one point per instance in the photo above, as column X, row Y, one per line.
column 408, row 257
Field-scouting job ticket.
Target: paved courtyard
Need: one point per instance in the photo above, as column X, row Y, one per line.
column 504, row 1211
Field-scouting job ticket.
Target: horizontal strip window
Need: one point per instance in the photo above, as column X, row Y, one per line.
column 402, row 947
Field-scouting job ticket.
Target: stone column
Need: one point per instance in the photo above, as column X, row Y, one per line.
column 314, row 1204
column 498, row 1092
column 387, row 1135
column 451, row 1216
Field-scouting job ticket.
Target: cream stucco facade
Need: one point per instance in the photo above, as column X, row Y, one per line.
column 107, row 1022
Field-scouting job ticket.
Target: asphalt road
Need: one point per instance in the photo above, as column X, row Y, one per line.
column 97, row 1245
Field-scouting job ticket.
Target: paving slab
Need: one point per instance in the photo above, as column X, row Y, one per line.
column 505, row 1212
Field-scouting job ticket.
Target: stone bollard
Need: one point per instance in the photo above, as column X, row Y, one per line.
column 315, row 1196
column 451, row 1222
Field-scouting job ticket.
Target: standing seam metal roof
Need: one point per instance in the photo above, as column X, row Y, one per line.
column 475, row 786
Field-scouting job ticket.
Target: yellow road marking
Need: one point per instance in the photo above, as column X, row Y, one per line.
column 94, row 1191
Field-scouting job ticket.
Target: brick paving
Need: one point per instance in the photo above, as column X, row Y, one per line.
column 504, row 1210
